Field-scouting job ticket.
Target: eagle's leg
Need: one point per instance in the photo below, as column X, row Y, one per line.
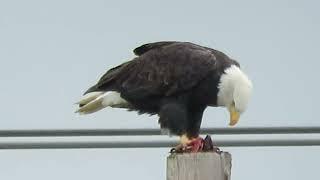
column 188, row 144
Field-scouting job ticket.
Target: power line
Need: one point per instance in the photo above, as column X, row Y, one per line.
column 45, row 144
column 154, row 144
column 150, row 132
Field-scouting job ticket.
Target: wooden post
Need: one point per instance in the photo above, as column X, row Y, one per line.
column 199, row 166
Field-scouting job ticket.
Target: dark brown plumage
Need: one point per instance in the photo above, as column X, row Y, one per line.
column 176, row 80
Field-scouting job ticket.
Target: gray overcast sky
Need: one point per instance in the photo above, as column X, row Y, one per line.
column 52, row 51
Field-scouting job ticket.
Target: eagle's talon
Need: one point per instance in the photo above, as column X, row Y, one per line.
column 172, row 150
column 217, row 150
column 179, row 149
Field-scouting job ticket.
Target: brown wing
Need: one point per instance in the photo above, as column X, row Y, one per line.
column 163, row 69
column 107, row 80
column 169, row 68
column 147, row 47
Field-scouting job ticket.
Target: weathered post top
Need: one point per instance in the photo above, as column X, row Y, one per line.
column 199, row 166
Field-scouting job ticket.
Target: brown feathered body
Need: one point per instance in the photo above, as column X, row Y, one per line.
column 175, row 80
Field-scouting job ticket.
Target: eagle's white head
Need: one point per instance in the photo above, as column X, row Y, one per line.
column 234, row 92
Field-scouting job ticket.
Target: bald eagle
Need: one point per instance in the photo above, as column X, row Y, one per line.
column 177, row 81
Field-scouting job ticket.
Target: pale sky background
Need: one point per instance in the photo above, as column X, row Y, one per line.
column 52, row 51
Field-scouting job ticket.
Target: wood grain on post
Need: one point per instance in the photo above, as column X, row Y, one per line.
column 199, row 166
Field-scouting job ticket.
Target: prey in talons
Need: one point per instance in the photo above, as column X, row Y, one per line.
column 195, row 145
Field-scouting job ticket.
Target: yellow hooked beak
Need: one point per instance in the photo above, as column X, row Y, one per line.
column 234, row 115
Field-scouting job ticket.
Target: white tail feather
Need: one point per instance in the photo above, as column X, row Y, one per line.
column 95, row 102
column 113, row 99
column 89, row 97
column 91, row 107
